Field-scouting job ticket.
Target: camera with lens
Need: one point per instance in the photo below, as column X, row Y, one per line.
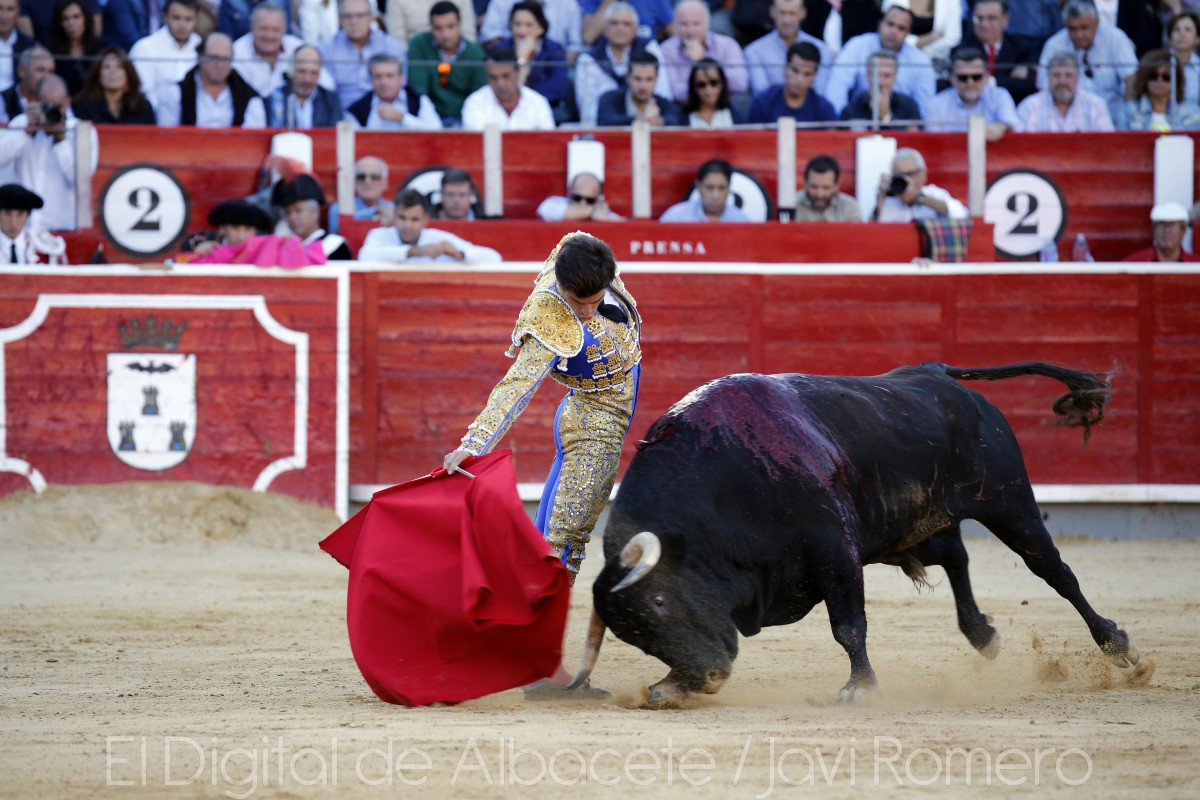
column 52, row 114
column 898, row 186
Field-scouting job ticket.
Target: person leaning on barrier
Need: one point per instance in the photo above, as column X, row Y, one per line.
column 904, row 195
column 797, row 97
column 880, row 100
column 411, row 238
column 970, row 94
column 821, row 199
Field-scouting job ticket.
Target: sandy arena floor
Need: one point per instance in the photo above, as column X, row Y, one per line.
column 190, row 642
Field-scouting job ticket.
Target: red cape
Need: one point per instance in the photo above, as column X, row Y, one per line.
column 453, row 593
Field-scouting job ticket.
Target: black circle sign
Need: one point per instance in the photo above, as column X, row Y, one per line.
column 1028, row 210
column 144, row 210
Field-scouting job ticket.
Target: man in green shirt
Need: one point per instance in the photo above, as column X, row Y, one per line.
column 445, row 66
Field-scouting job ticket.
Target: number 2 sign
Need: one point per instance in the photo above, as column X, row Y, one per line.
column 144, row 210
column 1028, row 211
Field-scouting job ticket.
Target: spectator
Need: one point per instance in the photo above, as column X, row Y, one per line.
column 73, row 42
column 1104, row 53
column 112, row 93
column 1008, row 58
column 1063, row 107
column 301, row 200
column 348, row 52
column 245, row 228
column 821, row 199
column 1170, row 221
column 126, row 21
column 406, row 18
column 234, row 17
column 656, row 19
column 796, row 97
column 40, row 145
column 263, row 54
column 693, row 41
column 904, row 195
column 236, row 221
column 392, row 106
column 409, row 239
column 937, row 26
column 35, row 17
column 585, row 200
column 1035, row 21
column 445, row 66
column 318, row 19
column 1184, row 33
column 708, row 103
column 305, row 102
column 212, row 94
column 370, row 185
column 1151, row 108
column 714, row 203
column 605, row 65
column 880, row 101
column 458, row 197
column 767, row 58
column 166, row 55
column 18, row 244
column 563, row 17
column 504, row 101
column 915, row 71
column 638, row 101
column 13, row 42
column 34, row 64
column 969, row 95
column 541, row 62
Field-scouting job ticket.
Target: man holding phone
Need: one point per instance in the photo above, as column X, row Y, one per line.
column 904, row 195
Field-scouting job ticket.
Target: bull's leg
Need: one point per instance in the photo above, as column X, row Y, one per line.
column 840, row 581
column 1026, row 536
column 947, row 552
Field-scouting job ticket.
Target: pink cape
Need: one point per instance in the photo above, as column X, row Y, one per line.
column 453, row 593
column 267, row 250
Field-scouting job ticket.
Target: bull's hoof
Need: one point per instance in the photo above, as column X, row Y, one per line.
column 546, row 689
column 1128, row 658
column 857, row 694
column 665, row 695
column 992, row 648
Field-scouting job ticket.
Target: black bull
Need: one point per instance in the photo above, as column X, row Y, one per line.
column 756, row 497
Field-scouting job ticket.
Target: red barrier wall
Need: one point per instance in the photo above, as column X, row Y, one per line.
column 427, row 347
column 264, row 351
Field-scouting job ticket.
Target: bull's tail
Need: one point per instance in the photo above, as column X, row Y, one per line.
column 1081, row 407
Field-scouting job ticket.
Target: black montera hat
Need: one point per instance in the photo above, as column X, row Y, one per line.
column 304, row 187
column 16, row 196
column 240, row 212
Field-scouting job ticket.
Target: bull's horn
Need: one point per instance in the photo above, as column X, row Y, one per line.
column 591, row 651
column 642, row 553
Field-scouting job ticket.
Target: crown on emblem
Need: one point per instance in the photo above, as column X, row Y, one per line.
column 136, row 333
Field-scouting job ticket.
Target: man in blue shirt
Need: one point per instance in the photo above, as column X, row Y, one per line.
column 656, row 18
column 971, row 94
column 796, row 97
column 1106, row 55
column 713, row 204
column 915, row 78
column 347, row 52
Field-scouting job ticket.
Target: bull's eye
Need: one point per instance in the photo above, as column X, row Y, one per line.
column 659, row 600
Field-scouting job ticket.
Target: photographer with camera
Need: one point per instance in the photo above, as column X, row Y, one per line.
column 904, row 195
column 40, row 144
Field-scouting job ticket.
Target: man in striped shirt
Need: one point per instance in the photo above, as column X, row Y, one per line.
column 1063, row 107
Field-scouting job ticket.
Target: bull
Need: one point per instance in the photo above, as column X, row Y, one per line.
column 755, row 497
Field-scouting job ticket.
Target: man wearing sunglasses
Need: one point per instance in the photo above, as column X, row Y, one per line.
column 370, row 185
column 584, row 200
column 1105, row 55
column 971, row 94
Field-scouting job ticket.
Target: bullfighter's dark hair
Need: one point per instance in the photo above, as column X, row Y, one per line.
column 585, row 266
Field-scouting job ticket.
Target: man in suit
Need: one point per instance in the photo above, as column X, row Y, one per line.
column 1008, row 59
column 33, row 65
column 306, row 104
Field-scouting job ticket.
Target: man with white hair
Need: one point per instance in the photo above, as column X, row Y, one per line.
column 693, row 40
column 1170, row 221
column 370, row 186
column 904, row 196
column 263, row 55
column 1105, row 55
column 767, row 57
column 915, row 78
column 605, row 65
column 166, row 55
column 1063, row 107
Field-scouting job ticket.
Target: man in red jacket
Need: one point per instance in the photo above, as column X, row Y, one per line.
column 1170, row 222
